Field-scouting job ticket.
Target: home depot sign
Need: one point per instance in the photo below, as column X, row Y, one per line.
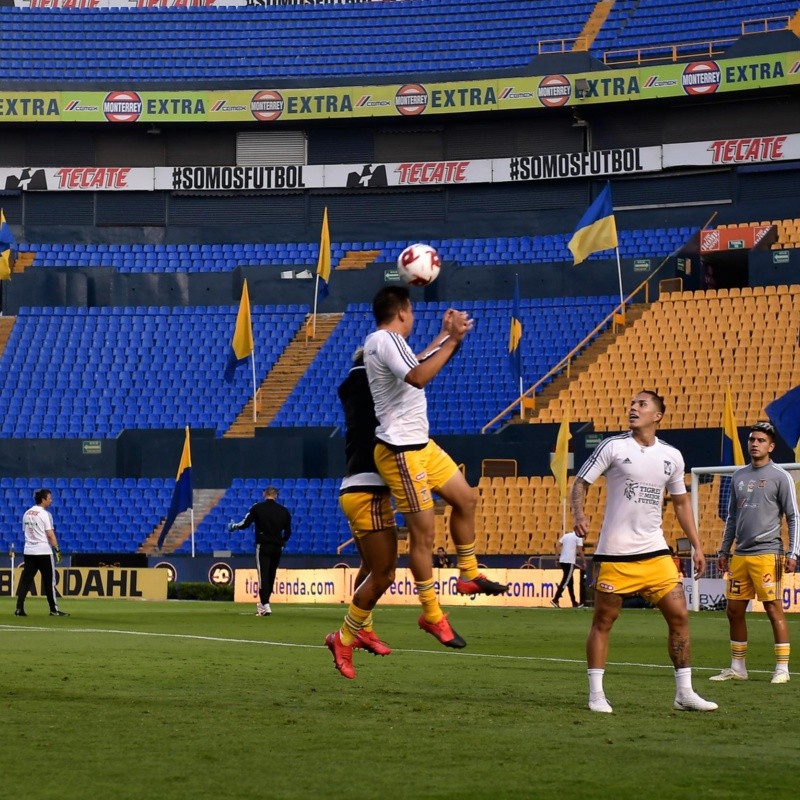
column 742, row 237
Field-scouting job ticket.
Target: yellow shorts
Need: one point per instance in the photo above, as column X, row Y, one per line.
column 652, row 578
column 755, row 576
column 367, row 512
column 413, row 474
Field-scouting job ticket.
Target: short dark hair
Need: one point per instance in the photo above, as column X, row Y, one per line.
column 657, row 399
column 388, row 301
column 41, row 494
column 764, row 427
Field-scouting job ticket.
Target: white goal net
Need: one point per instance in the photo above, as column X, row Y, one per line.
column 710, row 493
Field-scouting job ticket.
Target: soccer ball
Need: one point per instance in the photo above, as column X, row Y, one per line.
column 419, row 264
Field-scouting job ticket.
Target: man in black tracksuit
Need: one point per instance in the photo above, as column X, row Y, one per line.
column 273, row 528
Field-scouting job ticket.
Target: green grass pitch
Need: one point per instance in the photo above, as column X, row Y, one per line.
column 204, row 700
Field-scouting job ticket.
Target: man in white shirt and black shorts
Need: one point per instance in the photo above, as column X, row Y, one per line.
column 632, row 555
column 40, row 548
column 410, row 462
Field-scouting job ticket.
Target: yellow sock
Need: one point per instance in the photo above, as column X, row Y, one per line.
column 367, row 626
column 782, row 655
column 467, row 561
column 738, row 655
column 431, row 609
column 353, row 622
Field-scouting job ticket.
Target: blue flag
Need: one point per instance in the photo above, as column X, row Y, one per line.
column 785, row 415
column 182, row 493
column 515, row 335
column 597, row 229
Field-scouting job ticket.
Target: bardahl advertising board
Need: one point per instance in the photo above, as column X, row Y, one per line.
column 125, row 105
column 95, row 582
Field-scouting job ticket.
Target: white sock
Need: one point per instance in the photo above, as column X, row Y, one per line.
column 683, row 680
column 595, row 680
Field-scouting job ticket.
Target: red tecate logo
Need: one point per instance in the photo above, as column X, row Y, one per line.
column 411, row 99
column 554, row 91
column 122, row 106
column 701, row 77
column 266, row 105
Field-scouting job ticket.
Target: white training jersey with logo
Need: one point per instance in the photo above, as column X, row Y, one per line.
column 35, row 523
column 570, row 542
column 636, row 478
column 401, row 408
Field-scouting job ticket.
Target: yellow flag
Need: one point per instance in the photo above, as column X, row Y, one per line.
column 324, row 260
column 558, row 465
column 5, row 265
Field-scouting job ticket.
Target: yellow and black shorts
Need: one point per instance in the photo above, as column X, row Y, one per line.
column 757, row 577
column 412, row 475
column 367, row 511
column 652, row 578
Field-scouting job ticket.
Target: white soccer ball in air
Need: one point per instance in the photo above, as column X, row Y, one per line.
column 419, row 264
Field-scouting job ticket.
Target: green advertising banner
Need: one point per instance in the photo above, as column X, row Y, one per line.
column 702, row 79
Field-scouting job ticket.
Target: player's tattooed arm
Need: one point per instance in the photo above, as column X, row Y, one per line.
column 578, row 502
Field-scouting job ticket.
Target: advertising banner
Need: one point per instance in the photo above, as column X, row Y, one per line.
column 95, row 582
column 76, row 179
column 741, row 237
column 530, row 588
column 270, row 104
column 733, row 151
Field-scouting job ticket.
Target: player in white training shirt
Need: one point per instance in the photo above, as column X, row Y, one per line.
column 40, row 547
column 632, row 556
column 410, row 462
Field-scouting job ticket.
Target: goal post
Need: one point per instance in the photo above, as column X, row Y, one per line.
column 710, row 493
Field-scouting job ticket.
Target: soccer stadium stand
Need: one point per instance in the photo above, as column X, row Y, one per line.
column 490, row 251
column 747, row 339
column 82, row 373
column 553, row 327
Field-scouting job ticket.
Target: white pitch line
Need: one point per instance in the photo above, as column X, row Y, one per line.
column 460, row 653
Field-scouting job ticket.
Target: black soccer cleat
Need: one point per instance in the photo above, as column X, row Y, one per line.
column 480, row 584
column 58, row 613
column 20, row 612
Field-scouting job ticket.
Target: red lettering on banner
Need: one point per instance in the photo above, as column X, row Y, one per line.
column 761, row 148
column 93, row 177
column 433, row 172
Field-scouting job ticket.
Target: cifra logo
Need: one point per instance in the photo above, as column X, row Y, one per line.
column 701, row 77
column 411, row 99
column 554, row 90
column 266, row 105
column 122, row 106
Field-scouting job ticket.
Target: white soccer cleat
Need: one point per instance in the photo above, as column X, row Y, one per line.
column 730, row 674
column 691, row 701
column 267, row 610
column 600, row 704
column 779, row 676
column 261, row 610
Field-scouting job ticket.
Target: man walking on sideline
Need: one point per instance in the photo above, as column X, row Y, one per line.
column 571, row 555
column 273, row 528
column 761, row 493
column 41, row 547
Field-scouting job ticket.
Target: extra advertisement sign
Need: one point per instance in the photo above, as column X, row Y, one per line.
column 274, row 104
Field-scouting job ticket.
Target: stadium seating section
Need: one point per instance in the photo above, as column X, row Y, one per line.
column 216, row 44
column 517, row 516
column 83, row 373
column 490, row 251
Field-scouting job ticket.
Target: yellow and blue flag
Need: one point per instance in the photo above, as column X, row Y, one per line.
column 324, row 260
column 182, row 493
column 242, row 343
column 732, row 454
column 785, row 415
column 597, row 229
column 515, row 335
column 558, row 466
column 7, row 241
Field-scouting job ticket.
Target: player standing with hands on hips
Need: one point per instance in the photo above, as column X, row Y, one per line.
column 41, row 547
column 632, row 556
column 273, row 528
column 761, row 493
